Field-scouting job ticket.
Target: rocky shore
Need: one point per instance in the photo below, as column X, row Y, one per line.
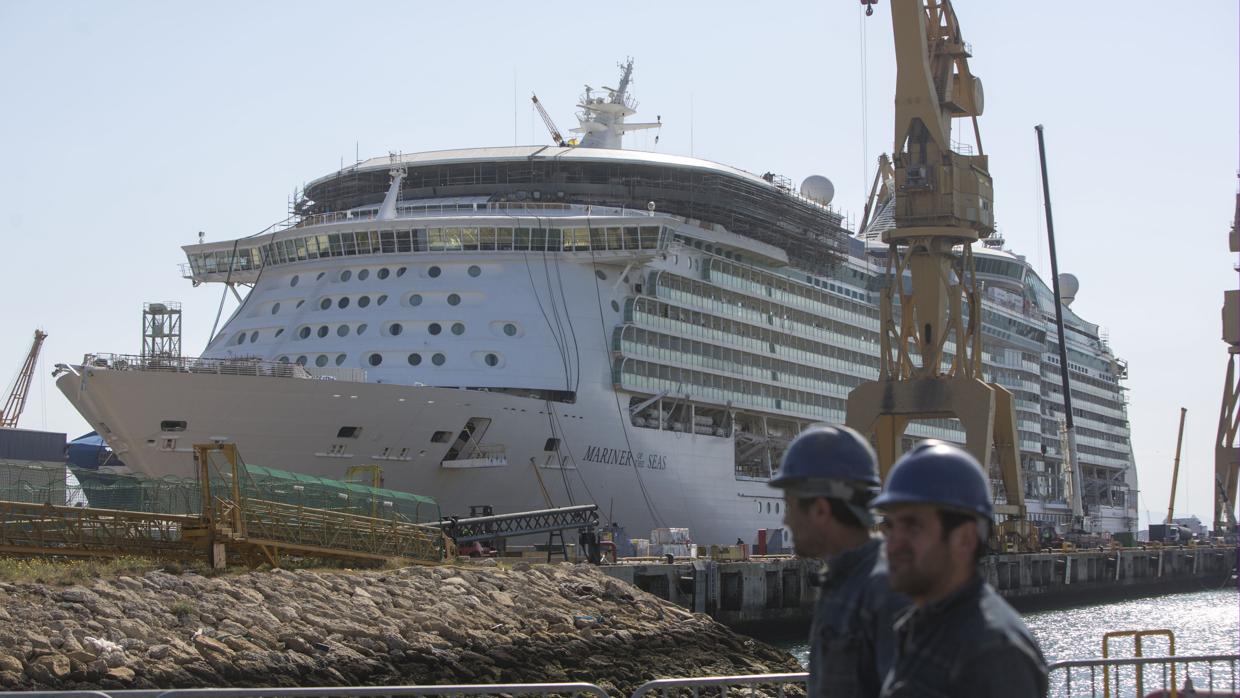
column 415, row 625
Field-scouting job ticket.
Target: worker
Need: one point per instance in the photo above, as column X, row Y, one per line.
column 959, row 638
column 829, row 475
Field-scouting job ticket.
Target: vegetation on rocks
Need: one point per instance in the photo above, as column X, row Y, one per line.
column 154, row 629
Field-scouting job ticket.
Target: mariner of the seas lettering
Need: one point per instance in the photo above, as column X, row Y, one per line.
column 619, row 456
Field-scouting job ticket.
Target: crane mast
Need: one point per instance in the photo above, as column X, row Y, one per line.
column 21, row 386
column 930, row 365
column 555, row 132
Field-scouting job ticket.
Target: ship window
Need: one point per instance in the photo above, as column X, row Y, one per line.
column 375, row 359
column 510, row 329
column 346, row 275
column 382, row 299
column 458, row 328
column 434, row 272
column 301, row 303
column 343, row 303
column 340, row 358
column 349, row 433
column 400, row 272
column 253, row 337
column 275, row 308
column 361, row 329
column 320, row 360
column 301, row 361
column 492, row 359
column 304, row 332
column 240, row 338
column 475, row 270
column 438, row 359
column 293, row 281
column 342, row 331
column 323, row 331
column 441, row 437
column 320, row 275
column 363, row 301
column 363, row 275
column 415, row 300
column 325, row 304
column 395, row 329
column 279, row 331
column 384, row 273
column 283, row 359
column 552, row 444
column 454, row 299
column 415, row 359
column 601, row 276
column 434, row 328
column 615, row 306
column 173, row 425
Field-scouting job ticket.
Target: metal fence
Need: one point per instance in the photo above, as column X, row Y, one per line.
column 751, row 685
column 1145, row 676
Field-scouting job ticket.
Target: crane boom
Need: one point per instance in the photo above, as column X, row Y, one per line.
column 21, row 386
column 1175, row 469
column 555, row 132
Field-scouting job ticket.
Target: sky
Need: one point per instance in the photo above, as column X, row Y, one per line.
column 128, row 127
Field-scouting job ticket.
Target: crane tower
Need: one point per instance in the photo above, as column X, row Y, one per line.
column 21, row 385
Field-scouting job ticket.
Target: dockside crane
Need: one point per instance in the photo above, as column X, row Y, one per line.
column 21, row 385
column 1226, row 448
column 555, row 132
column 1175, row 469
column 930, row 364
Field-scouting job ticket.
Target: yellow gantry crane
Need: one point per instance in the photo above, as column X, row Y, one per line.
column 21, row 385
column 1226, row 448
column 931, row 354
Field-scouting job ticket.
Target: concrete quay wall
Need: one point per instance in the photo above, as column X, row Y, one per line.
column 780, row 591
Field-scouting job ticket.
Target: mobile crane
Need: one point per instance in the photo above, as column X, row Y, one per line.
column 21, row 385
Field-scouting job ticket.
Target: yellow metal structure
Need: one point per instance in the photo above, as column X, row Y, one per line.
column 1137, row 636
column 1226, row 449
column 1175, row 468
column 64, row 531
column 16, row 401
column 931, row 354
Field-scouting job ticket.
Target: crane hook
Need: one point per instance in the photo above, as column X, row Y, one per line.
column 869, row 7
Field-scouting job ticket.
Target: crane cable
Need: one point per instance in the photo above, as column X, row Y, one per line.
column 865, row 108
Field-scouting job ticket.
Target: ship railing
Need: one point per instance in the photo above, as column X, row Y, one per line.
column 184, row 364
column 1216, row 674
column 756, row 684
column 542, row 208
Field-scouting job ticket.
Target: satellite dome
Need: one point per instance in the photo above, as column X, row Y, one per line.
column 818, row 188
column 1068, row 286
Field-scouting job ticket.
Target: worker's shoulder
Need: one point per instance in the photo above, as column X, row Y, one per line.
column 999, row 627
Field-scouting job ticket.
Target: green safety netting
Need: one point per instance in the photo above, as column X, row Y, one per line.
column 56, row 483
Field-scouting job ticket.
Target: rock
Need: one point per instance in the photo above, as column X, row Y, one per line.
column 13, row 664
column 208, row 645
column 158, row 652
column 49, row 669
column 122, row 674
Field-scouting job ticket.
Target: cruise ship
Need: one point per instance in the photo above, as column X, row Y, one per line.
column 539, row 326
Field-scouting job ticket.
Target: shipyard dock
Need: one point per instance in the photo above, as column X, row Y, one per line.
column 781, row 590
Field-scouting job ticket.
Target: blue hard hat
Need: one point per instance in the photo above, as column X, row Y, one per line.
column 941, row 474
column 831, row 461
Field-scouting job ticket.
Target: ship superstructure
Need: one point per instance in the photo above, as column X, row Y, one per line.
column 541, row 325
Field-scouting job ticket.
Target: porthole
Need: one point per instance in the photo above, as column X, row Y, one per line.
column 279, row 331
column 301, row 303
column 343, row 303
column 283, row 359
column 323, row 331
column 340, row 358
column 382, row 300
column 434, row 272
column 615, row 306
column 601, row 276
column 325, row 304
column 415, row 359
column 275, row 308
column 374, row 359
column 301, row 361
column 415, row 300
column 438, row 359
column 293, row 281
column 320, row 275
column 361, row 329
column 384, row 273
column 241, row 338
column 510, row 329
column 304, row 332
column 363, row 275
column 458, row 328
column 434, row 328
column 342, row 331
column 401, row 272
column 320, row 360
column 253, row 337
column 454, row 299
column 346, row 275
column 395, row 329
column 363, row 301
column 492, row 360
column 475, row 270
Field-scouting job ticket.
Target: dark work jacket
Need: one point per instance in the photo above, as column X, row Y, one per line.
column 969, row 644
column 851, row 640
